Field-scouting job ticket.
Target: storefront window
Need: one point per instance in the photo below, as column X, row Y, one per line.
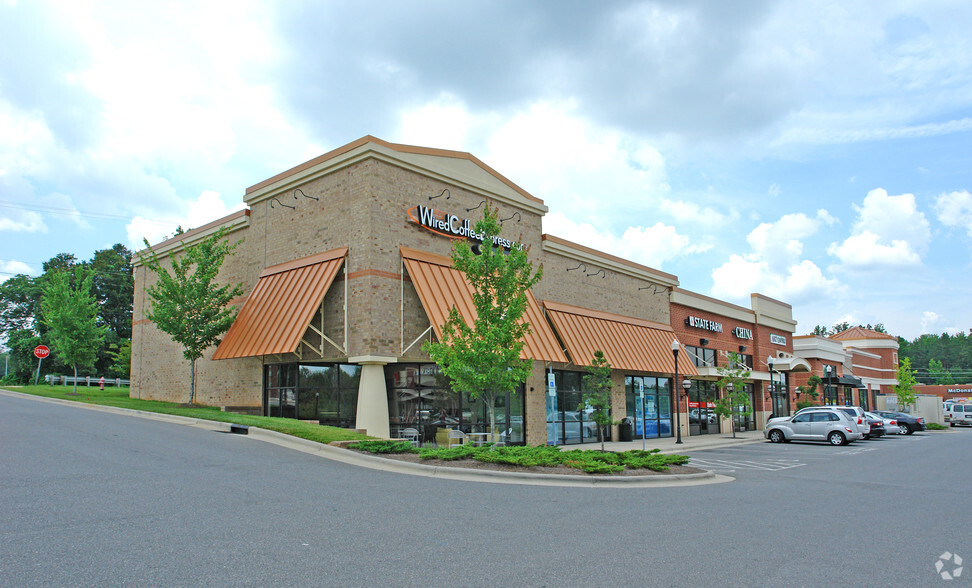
column 741, row 421
column 421, row 402
column 701, row 356
column 702, row 417
column 327, row 393
column 654, row 419
column 567, row 422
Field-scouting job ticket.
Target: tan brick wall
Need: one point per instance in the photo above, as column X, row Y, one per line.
column 616, row 292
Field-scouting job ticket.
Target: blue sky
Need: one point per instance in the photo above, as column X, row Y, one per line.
column 818, row 153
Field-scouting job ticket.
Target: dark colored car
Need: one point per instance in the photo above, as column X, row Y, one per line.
column 909, row 424
column 877, row 427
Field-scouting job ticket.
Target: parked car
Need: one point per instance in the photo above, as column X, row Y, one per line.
column 877, row 425
column 890, row 424
column 855, row 413
column 909, row 424
column 813, row 424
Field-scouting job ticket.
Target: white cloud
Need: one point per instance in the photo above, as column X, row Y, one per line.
column 26, row 222
column 205, row 209
column 775, row 266
column 443, row 122
column 651, row 246
column 8, row 269
column 577, row 168
column 928, row 320
column 865, row 252
column 690, row 212
column 890, row 232
column 955, row 210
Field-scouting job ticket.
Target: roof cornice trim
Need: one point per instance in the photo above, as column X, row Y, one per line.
column 233, row 222
column 372, row 147
column 606, row 260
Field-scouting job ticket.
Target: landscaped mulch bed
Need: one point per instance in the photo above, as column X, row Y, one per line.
column 559, row 470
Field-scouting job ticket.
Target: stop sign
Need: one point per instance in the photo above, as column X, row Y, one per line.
column 41, row 351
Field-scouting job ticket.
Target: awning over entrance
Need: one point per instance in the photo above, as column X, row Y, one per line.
column 628, row 343
column 440, row 287
column 281, row 306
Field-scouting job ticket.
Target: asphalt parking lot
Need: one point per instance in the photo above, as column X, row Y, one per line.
column 755, row 458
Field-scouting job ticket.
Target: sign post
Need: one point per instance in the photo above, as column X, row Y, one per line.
column 552, row 404
column 40, row 352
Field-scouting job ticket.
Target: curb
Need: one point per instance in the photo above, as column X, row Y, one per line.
column 354, row 458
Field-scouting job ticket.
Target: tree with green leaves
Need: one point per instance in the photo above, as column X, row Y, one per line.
column 734, row 400
column 939, row 375
column 597, row 394
column 187, row 303
column 483, row 358
column 809, row 391
column 905, row 388
column 70, row 312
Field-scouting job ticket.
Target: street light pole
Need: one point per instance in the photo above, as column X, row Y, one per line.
column 732, row 410
column 827, row 369
column 772, row 385
column 678, row 402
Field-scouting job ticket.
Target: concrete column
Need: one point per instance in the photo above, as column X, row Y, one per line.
column 372, row 413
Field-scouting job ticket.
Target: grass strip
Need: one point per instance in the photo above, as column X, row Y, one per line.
column 118, row 397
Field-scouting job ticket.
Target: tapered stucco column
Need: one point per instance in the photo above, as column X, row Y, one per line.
column 372, row 395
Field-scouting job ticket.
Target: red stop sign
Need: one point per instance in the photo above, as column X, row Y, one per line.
column 41, row 351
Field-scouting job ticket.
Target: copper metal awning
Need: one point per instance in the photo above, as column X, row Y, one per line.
column 440, row 287
column 279, row 309
column 628, row 343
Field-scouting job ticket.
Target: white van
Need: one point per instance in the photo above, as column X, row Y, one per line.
column 958, row 413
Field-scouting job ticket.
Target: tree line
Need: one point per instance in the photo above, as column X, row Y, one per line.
column 939, row 359
column 100, row 289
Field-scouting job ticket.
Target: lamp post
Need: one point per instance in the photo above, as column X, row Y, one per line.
column 732, row 410
column 678, row 402
column 827, row 369
column 772, row 385
column 685, row 386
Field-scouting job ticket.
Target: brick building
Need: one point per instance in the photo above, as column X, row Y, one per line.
column 344, row 262
column 854, row 365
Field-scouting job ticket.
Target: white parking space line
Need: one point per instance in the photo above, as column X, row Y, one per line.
column 722, row 464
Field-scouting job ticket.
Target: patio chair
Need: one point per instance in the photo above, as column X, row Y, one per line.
column 410, row 434
column 456, row 437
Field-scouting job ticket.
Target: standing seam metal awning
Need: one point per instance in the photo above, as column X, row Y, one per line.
column 628, row 343
column 440, row 287
column 281, row 306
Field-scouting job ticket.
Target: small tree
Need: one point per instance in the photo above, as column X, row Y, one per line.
column 905, row 388
column 187, row 304
column 483, row 359
column 70, row 313
column 597, row 394
column 736, row 373
column 938, row 373
column 810, row 390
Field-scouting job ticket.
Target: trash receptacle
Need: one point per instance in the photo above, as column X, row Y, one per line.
column 626, row 429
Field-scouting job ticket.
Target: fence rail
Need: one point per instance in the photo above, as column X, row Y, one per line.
column 54, row 380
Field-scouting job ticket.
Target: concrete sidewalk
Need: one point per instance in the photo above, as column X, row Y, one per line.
column 689, row 443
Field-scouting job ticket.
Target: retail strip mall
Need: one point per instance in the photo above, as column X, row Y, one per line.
column 345, row 265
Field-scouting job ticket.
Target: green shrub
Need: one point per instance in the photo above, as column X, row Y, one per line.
column 587, row 460
column 384, row 446
column 935, row 427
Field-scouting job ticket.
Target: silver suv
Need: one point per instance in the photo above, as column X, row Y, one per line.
column 817, row 423
column 855, row 413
